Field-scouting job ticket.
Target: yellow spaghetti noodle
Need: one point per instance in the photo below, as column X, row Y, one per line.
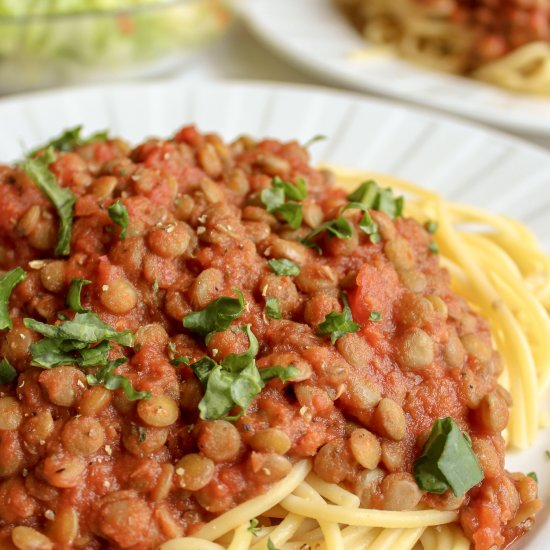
column 426, row 33
column 498, row 266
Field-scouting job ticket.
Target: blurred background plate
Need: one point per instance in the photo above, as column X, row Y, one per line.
column 42, row 45
column 314, row 35
column 461, row 161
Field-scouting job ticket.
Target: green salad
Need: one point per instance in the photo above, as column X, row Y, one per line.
column 105, row 36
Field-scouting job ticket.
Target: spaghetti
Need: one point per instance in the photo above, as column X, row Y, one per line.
column 507, row 44
column 214, row 346
column 498, row 265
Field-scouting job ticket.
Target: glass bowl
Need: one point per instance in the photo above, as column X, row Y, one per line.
column 50, row 49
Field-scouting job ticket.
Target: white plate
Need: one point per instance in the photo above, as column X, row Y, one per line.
column 462, row 161
column 313, row 34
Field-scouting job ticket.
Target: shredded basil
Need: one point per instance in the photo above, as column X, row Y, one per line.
column 62, row 198
column 374, row 197
column 375, row 316
column 270, row 545
column 339, row 227
column 235, row 382
column 284, row 374
column 216, row 316
column 275, row 200
column 84, row 342
column 8, row 282
column 447, row 461
column 534, row 476
column 366, row 223
column 184, row 360
column 284, row 267
column 70, row 139
column 314, row 139
column 338, row 324
column 254, row 527
column 433, row 247
column 119, row 215
column 106, row 375
column 547, row 453
column 73, row 295
column 272, row 309
column 431, row 226
column 7, row 373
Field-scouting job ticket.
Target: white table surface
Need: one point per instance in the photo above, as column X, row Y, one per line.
column 241, row 56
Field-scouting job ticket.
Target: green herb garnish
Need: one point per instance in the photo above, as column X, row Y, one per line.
column 270, row 545
column 236, row 381
column 119, row 215
column 183, row 360
column 431, row 226
column 338, row 324
column 275, row 200
column 216, row 316
column 374, row 197
column 433, row 247
column 272, row 309
column 70, row 139
column 106, row 375
column 314, row 139
column 7, row 373
column 339, row 227
column 447, row 461
column 375, row 316
column 547, row 453
column 73, row 295
column 8, row 282
column 254, row 527
column 534, row 476
column 366, row 223
column 62, row 198
column 84, row 342
column 284, row 267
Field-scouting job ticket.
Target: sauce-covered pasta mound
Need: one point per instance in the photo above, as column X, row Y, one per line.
column 186, row 320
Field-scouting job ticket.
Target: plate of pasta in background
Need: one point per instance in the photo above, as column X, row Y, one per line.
column 243, row 316
column 484, row 60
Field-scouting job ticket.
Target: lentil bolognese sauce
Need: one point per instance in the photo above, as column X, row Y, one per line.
column 186, row 321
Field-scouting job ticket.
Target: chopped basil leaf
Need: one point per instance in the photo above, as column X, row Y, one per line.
column 119, row 215
column 314, row 139
column 254, row 527
column 375, row 316
column 272, row 309
column 73, row 295
column 366, row 224
column 270, row 545
column 338, row 324
column 370, row 194
column 236, row 381
column 216, row 316
column 106, row 375
column 284, row 267
column 534, row 476
column 84, row 342
column 62, row 198
column 8, row 282
column 284, row 374
column 433, row 248
column 447, row 461
column 274, row 199
column 85, row 328
column 547, row 453
column 7, row 372
column 431, row 226
column 70, row 139
column 155, row 286
column 291, row 212
column 180, row 360
column 339, row 227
